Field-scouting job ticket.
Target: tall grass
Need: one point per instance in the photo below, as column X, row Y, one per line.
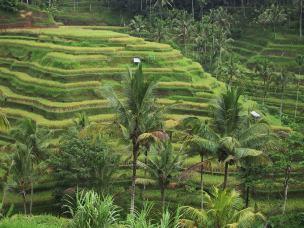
column 92, row 211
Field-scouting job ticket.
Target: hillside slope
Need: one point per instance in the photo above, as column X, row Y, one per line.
column 49, row 75
column 257, row 45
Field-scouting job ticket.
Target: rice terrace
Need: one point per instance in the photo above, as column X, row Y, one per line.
column 155, row 113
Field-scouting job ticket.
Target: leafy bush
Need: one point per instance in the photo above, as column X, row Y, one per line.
column 93, row 210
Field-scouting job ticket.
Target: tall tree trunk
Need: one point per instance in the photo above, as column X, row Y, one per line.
column 225, row 175
column 297, row 101
column 134, row 169
column 31, row 202
column 247, row 196
column 301, row 18
column 286, row 181
column 146, row 159
column 244, row 9
column 24, row 201
column 202, row 182
column 162, row 195
column 192, row 5
column 3, row 198
column 264, row 95
column 281, row 105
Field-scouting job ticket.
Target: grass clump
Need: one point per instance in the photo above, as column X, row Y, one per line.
column 41, row 221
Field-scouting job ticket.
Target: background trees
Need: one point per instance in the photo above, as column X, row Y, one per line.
column 273, row 16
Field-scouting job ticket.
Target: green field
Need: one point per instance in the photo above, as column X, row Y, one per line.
column 281, row 52
column 51, row 74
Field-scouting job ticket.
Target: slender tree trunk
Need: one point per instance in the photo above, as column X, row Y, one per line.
column 145, row 172
column 301, row 18
column 286, row 181
column 192, row 8
column 202, row 183
column 24, row 201
column 297, row 101
column 225, row 175
column 134, row 169
column 247, row 196
column 31, row 202
column 5, row 187
column 264, row 96
column 162, row 195
column 3, row 198
column 244, row 10
column 281, row 105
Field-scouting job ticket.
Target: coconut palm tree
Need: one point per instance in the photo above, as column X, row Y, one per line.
column 163, row 3
column 37, row 138
column 200, row 141
column 137, row 114
column 163, row 165
column 28, row 133
column 298, row 78
column 264, row 69
column 224, row 209
column 184, row 26
column 22, row 170
column 283, row 78
column 235, row 136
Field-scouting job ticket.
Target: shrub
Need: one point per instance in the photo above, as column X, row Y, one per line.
column 93, row 210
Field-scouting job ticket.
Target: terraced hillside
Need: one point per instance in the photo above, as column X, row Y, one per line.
column 282, row 52
column 93, row 12
column 49, row 75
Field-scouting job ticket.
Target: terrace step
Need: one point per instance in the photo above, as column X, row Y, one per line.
column 52, row 124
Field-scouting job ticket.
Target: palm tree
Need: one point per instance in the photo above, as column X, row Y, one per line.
column 22, row 170
column 265, row 70
column 201, row 141
column 184, row 28
column 138, row 25
column 298, row 78
column 163, row 3
column 28, row 133
column 236, row 138
column 163, row 165
column 137, row 114
column 283, row 77
column 6, row 165
column 224, row 209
